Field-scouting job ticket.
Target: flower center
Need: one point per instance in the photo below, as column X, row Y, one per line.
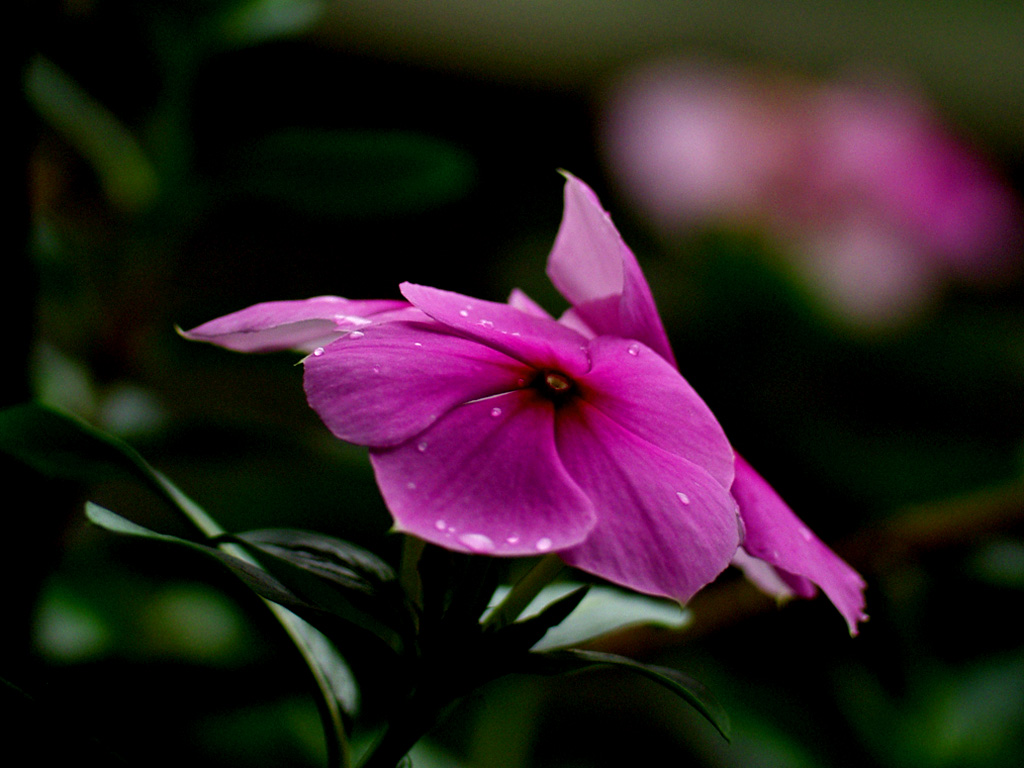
column 554, row 384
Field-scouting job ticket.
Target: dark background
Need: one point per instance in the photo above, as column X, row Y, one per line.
column 344, row 148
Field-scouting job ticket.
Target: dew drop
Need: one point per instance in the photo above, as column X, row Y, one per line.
column 356, row 334
column 486, row 323
column 683, row 497
column 513, row 539
column 543, row 545
column 440, row 525
column 318, row 351
column 417, row 343
column 376, row 369
column 806, row 533
column 463, row 313
column 634, row 349
column 422, row 447
column 495, row 412
column 411, row 486
column 478, row 542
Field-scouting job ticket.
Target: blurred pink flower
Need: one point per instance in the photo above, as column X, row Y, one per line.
column 863, row 189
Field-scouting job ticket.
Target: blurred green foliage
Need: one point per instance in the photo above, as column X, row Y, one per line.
column 186, row 159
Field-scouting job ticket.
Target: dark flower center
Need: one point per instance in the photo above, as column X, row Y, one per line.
column 555, row 385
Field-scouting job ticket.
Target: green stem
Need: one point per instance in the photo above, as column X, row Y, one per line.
column 523, row 592
column 409, row 571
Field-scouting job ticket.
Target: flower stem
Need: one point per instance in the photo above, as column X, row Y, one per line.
column 409, row 573
column 523, row 592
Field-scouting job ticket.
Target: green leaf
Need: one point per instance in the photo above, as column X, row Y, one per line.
column 602, row 610
column 127, row 175
column 335, row 577
column 525, row 634
column 692, row 691
column 254, row 577
column 63, row 446
column 60, row 445
column 345, row 563
column 257, row 21
column 327, row 665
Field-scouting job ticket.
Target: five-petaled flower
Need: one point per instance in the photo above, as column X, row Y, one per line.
column 495, row 428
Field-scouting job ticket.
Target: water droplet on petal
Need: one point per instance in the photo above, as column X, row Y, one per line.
column 543, row 545
column 683, row 497
column 478, row 542
column 513, row 539
column 495, row 412
column 318, row 351
column 463, row 313
column 356, row 335
column 417, row 344
column 411, row 486
column 806, row 533
column 634, row 349
column 422, row 447
column 376, row 369
column 486, row 323
column 440, row 525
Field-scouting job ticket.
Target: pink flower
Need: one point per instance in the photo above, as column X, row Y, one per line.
column 494, row 428
column 874, row 202
column 594, row 269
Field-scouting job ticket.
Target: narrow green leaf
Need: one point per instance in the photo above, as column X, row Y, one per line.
column 526, row 633
column 127, row 175
column 692, row 691
column 61, row 445
column 343, row 562
column 524, row 592
column 604, row 609
column 337, row 578
column 330, row 671
column 257, row 21
column 254, row 577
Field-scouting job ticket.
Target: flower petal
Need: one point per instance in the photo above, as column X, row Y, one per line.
column 519, row 300
column 596, row 271
column 772, row 581
column 304, row 325
column 486, row 478
column 777, row 536
column 643, row 393
column 538, row 341
column 665, row 526
column 382, row 385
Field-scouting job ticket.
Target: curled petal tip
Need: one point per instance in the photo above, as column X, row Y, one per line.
column 776, row 536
